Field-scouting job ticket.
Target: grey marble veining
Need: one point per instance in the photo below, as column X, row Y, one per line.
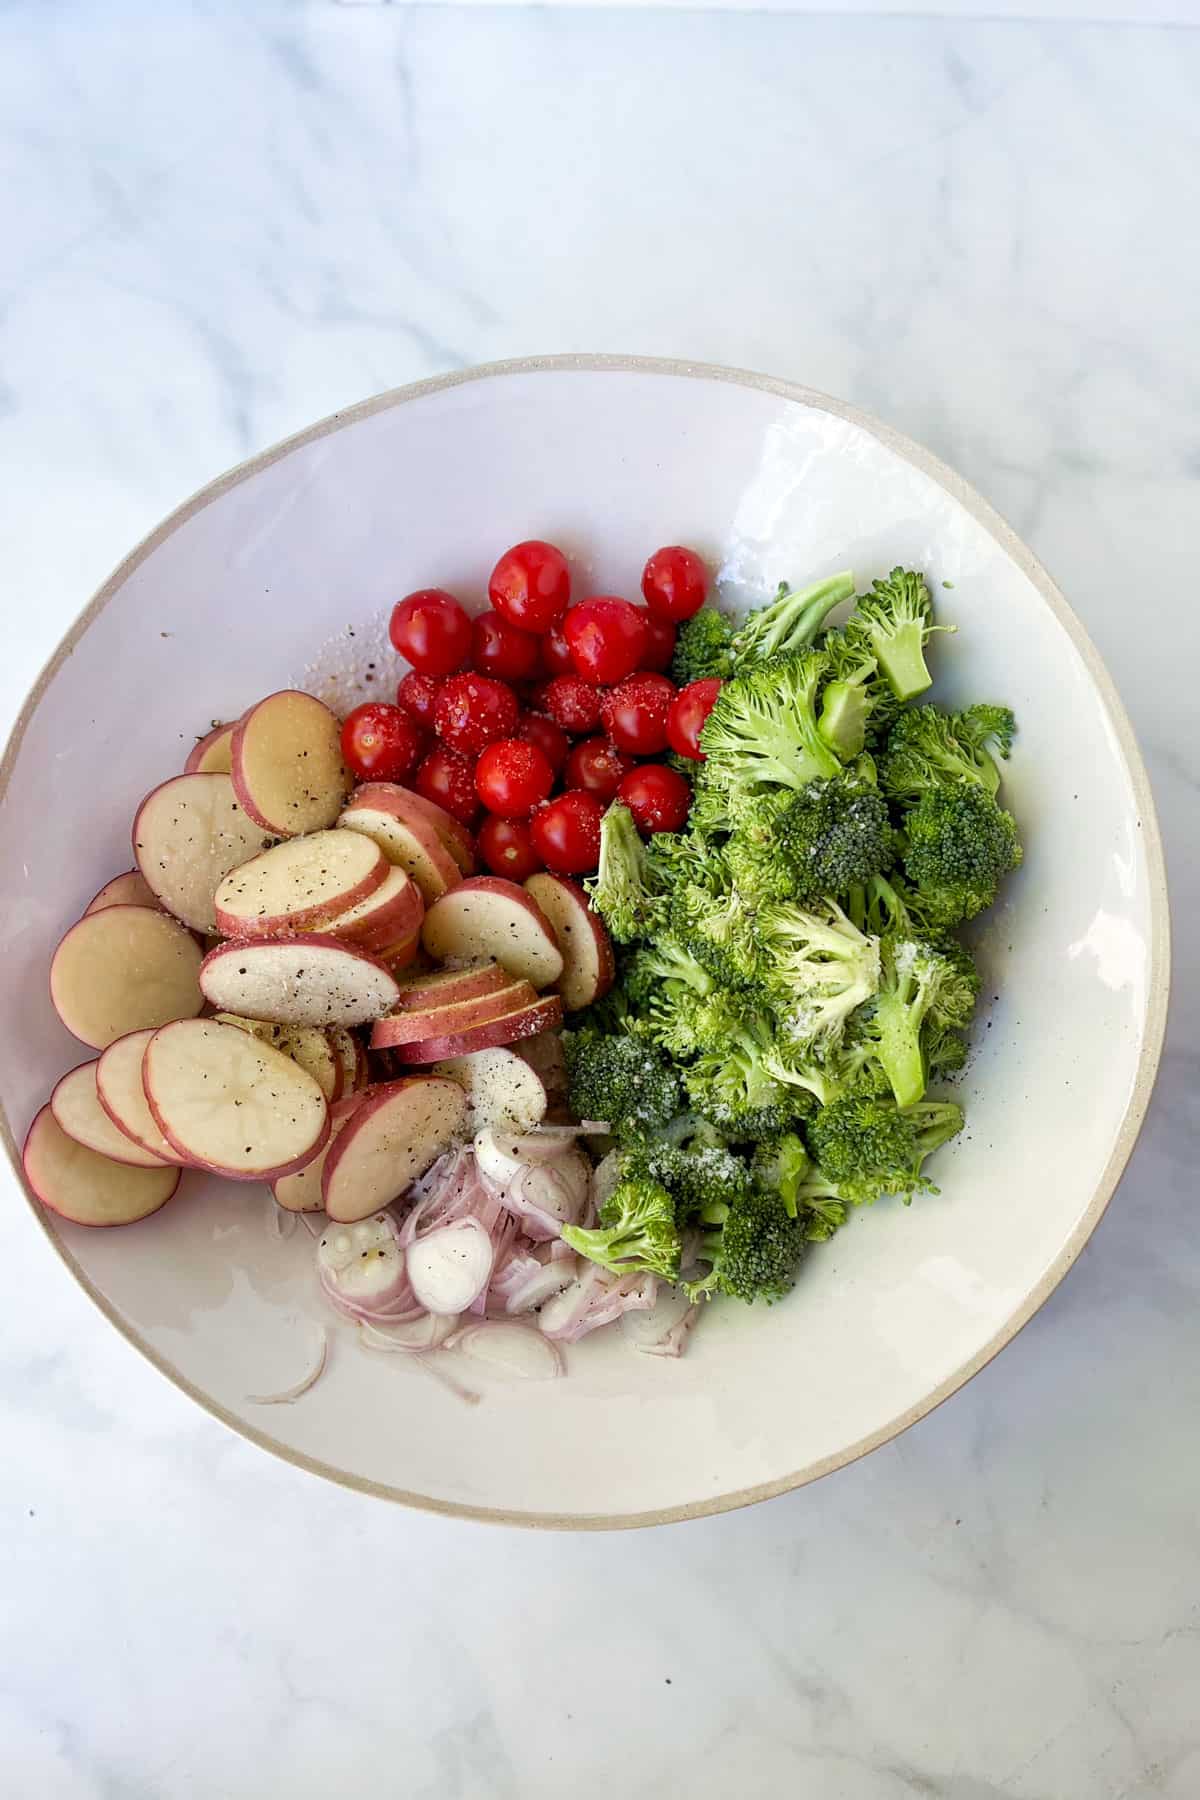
column 220, row 222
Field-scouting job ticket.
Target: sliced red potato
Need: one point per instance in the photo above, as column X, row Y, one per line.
column 212, row 754
column 402, row 803
column 409, row 1027
column 77, row 1111
column 123, row 968
column 187, row 835
column 301, row 1192
column 120, row 1092
column 545, row 1015
column 589, row 968
column 501, row 1088
column 405, row 839
column 229, row 1103
column 303, row 1043
column 490, row 917
column 404, row 955
column 299, row 885
column 389, row 919
column 351, row 1056
column 89, row 1189
column 391, row 1139
column 286, row 762
column 130, row 889
column 312, row 980
column 544, row 1054
column 446, row 987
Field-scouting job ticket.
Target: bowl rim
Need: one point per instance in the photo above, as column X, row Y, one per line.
column 1157, row 985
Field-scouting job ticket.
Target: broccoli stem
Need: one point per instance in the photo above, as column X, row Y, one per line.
column 793, row 621
column 901, row 656
column 843, row 721
column 900, row 1053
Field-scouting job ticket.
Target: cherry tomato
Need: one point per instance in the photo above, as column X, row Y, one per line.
column 552, row 742
column 635, row 713
column 431, row 629
column 417, row 695
column 674, row 582
column 572, row 703
column 566, row 833
column 506, row 846
column 473, row 711
column 689, row 710
column 531, row 585
column 556, row 658
column 512, row 777
column 381, row 743
column 498, row 648
column 606, row 638
column 660, row 642
column 448, row 779
column 659, row 798
column 596, row 768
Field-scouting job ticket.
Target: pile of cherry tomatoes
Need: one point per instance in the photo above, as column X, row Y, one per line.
column 539, row 712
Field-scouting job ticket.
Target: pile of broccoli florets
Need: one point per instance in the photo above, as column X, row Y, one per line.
column 789, row 984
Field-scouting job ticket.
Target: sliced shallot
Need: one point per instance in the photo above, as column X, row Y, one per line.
column 513, row 1349
column 362, row 1269
column 428, row 1331
column 287, row 1395
column 450, row 1266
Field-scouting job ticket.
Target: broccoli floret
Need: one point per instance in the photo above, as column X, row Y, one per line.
column 753, row 1247
column 821, row 841
column 782, row 1165
column 893, row 622
column 959, row 847
column 637, row 1230
column 931, row 749
column 704, row 1173
column 790, row 621
column 945, row 1050
column 626, row 887
column 917, row 982
column 621, row 1079
column 718, row 931
column 869, row 1146
column 821, row 968
column 732, row 1085
column 703, row 647
column 853, row 667
column 763, row 729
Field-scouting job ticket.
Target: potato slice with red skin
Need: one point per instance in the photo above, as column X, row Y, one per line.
column 589, row 968
column 230, row 1103
column 406, row 839
column 286, row 763
column 545, row 1015
column 391, row 916
column 405, row 805
column 187, row 834
column 120, row 1092
column 488, row 916
column 305, row 1044
column 351, row 1056
column 301, row 1191
column 446, row 987
column 212, row 754
column 502, row 1089
column 123, row 968
column 89, row 1189
column 308, row 980
column 299, row 885
column 391, row 1139
column 436, row 1021
column 129, row 889
column 77, row 1111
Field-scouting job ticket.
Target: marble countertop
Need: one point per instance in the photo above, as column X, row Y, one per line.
column 219, row 223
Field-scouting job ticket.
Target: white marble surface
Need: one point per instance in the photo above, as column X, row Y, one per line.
column 219, row 222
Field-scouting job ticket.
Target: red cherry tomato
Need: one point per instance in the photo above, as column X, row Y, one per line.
column 448, row 779
column 473, row 711
column 556, row 658
column 659, row 798
column 498, row 648
column 552, row 742
column 512, row 777
column 506, row 847
column 417, row 696
column 531, row 585
column 674, row 582
column 635, row 713
column 597, row 768
column 566, row 833
column 689, row 710
column 431, row 629
column 572, row 703
column 381, row 743
column 660, row 642
column 606, row 638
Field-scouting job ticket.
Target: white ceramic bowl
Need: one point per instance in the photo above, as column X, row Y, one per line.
column 257, row 582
